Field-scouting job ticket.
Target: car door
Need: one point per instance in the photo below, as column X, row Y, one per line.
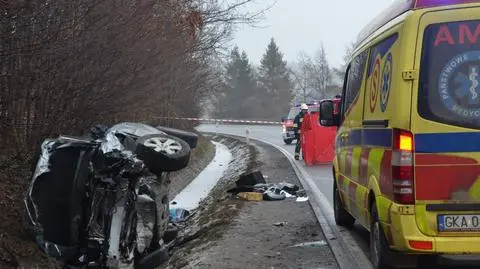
column 349, row 133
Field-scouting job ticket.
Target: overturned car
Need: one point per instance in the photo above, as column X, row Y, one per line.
column 101, row 200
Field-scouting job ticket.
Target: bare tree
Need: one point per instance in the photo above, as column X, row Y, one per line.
column 339, row 72
column 313, row 76
column 65, row 65
column 301, row 77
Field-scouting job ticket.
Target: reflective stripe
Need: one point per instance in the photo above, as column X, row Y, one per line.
column 295, row 125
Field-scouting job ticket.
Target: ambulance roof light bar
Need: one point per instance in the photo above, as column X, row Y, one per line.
column 437, row 3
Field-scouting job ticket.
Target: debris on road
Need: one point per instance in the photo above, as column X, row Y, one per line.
column 273, row 194
column 302, row 199
column 251, row 196
column 314, row 244
column 250, row 179
column 210, row 238
column 252, row 187
column 214, row 211
column 178, row 214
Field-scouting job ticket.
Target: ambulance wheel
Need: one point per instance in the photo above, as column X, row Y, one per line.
column 342, row 217
column 379, row 249
column 288, row 141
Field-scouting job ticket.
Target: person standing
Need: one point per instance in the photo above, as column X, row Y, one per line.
column 297, row 124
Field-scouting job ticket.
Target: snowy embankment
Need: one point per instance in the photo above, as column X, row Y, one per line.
column 190, row 197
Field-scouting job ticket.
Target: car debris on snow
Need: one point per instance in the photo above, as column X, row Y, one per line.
column 178, row 214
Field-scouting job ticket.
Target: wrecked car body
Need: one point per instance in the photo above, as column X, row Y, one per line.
column 101, row 200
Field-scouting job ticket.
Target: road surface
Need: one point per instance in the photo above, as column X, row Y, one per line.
column 321, row 175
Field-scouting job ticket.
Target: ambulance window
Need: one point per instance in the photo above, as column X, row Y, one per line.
column 354, row 80
column 449, row 89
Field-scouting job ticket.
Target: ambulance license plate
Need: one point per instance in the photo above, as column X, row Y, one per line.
column 458, row 223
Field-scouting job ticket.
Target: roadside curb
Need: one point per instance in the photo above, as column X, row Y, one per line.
column 347, row 253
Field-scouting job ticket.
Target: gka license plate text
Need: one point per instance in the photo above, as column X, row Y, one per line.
column 459, row 223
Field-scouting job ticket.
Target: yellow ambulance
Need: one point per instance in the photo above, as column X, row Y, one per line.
column 407, row 151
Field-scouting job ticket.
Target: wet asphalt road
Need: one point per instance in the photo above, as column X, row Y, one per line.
column 322, row 174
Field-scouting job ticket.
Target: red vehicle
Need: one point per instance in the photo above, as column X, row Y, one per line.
column 288, row 133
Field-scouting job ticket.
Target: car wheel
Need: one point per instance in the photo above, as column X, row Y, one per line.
column 379, row 250
column 189, row 137
column 163, row 153
column 342, row 217
column 288, row 141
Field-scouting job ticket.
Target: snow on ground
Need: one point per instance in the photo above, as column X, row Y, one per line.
column 190, row 197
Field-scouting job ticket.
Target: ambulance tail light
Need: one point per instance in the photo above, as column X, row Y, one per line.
column 402, row 167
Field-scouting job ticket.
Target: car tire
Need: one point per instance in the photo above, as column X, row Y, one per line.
column 288, row 141
column 163, row 153
column 379, row 249
column 342, row 217
column 189, row 137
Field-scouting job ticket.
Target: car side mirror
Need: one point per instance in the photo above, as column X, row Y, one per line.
column 327, row 117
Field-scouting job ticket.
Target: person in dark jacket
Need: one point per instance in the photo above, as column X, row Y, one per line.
column 297, row 124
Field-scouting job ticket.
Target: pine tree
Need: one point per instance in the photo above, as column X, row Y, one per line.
column 275, row 82
column 240, row 86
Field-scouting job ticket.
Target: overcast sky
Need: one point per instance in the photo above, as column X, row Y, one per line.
column 302, row 25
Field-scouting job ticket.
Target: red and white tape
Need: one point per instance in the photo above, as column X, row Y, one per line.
column 224, row 120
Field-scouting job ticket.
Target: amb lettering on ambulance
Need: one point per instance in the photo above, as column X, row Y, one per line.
column 407, row 164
